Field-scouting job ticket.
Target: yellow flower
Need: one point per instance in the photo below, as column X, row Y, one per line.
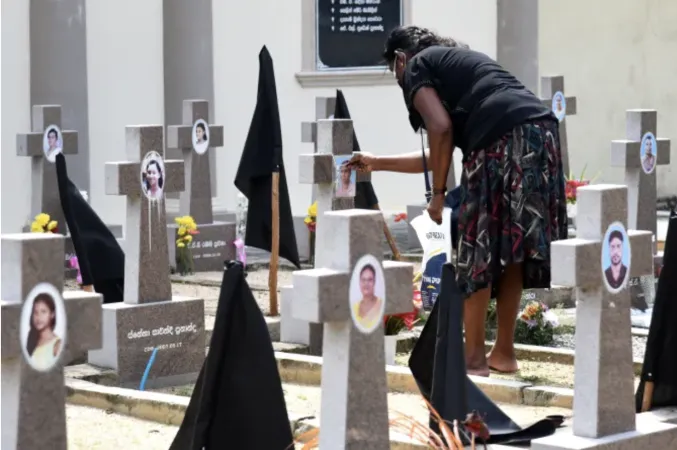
column 181, row 245
column 42, row 219
column 37, row 228
column 312, row 211
column 188, row 238
column 307, row 220
column 51, row 225
column 181, row 231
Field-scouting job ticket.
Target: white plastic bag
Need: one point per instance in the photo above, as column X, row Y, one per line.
column 436, row 242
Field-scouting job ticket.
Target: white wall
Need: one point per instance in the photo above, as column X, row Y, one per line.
column 615, row 55
column 16, row 115
column 379, row 113
column 125, row 73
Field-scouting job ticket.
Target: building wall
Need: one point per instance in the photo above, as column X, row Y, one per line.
column 615, row 55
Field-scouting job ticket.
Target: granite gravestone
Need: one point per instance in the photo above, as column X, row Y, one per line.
column 195, row 137
column 604, row 403
column 333, row 137
column 149, row 319
column 46, row 140
column 33, row 393
column 630, row 154
column 354, row 408
column 552, row 93
column 324, row 109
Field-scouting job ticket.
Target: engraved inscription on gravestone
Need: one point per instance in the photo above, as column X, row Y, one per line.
column 351, row 33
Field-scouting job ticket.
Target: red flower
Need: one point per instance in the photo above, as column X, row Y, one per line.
column 476, row 426
column 400, row 217
column 311, row 226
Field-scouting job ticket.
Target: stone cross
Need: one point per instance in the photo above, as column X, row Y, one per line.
column 324, row 109
column 549, row 87
column 44, row 190
column 604, row 402
column 333, row 137
column 354, row 408
column 146, row 254
column 196, row 199
column 33, row 402
column 641, row 185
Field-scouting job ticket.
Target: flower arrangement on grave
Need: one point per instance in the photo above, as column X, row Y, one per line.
column 536, row 325
column 449, row 437
column 572, row 184
column 42, row 223
column 311, row 223
column 399, row 217
column 394, row 323
column 184, row 256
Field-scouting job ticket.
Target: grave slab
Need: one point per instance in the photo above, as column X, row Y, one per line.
column 604, row 401
column 33, row 394
column 196, row 199
column 354, row 409
column 149, row 319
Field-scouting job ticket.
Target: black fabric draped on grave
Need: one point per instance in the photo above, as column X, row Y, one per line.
column 365, row 195
column 438, row 365
column 101, row 259
column 237, row 401
column 660, row 361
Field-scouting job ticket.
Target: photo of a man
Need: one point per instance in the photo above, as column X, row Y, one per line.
column 367, row 294
column 616, row 273
column 647, row 154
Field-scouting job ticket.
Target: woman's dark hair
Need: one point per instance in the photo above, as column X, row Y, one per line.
column 204, row 130
column 412, row 39
column 33, row 333
column 53, row 130
column 368, row 267
column 160, row 181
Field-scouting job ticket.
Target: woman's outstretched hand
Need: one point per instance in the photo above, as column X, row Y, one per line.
column 362, row 162
column 435, row 208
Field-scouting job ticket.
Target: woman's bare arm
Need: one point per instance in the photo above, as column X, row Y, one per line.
column 406, row 163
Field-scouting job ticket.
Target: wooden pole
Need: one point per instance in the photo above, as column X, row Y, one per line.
column 274, row 245
column 389, row 238
column 648, row 396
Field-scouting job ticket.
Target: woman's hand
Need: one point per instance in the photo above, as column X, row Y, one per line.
column 363, row 162
column 435, row 208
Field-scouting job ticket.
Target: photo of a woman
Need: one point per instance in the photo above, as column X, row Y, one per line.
column 559, row 106
column 367, row 294
column 152, row 175
column 52, row 143
column 200, row 136
column 345, row 177
column 43, row 327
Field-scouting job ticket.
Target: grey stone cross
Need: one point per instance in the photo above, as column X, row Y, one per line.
column 33, row 401
column 196, row 199
column 550, row 86
column 146, row 254
column 324, row 109
column 44, row 190
column 641, row 185
column 604, row 402
column 333, row 137
column 354, row 408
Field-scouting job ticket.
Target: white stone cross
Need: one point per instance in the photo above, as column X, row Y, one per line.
column 324, row 109
column 604, row 401
column 44, row 190
column 33, row 401
column 196, row 199
column 354, row 408
column 146, row 253
column 550, row 86
column 641, row 185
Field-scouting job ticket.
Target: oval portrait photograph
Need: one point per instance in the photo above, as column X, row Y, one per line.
column 367, row 294
column 559, row 105
column 344, row 184
column 52, row 142
column 200, row 136
column 43, row 327
column 616, row 258
column 152, row 175
column 647, row 152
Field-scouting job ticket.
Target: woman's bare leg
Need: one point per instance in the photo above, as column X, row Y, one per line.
column 502, row 356
column 474, row 319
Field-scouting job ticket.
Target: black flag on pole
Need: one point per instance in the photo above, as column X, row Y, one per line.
column 262, row 155
column 237, row 401
column 365, row 196
column 101, row 259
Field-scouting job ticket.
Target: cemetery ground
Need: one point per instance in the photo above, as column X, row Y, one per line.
column 541, row 387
